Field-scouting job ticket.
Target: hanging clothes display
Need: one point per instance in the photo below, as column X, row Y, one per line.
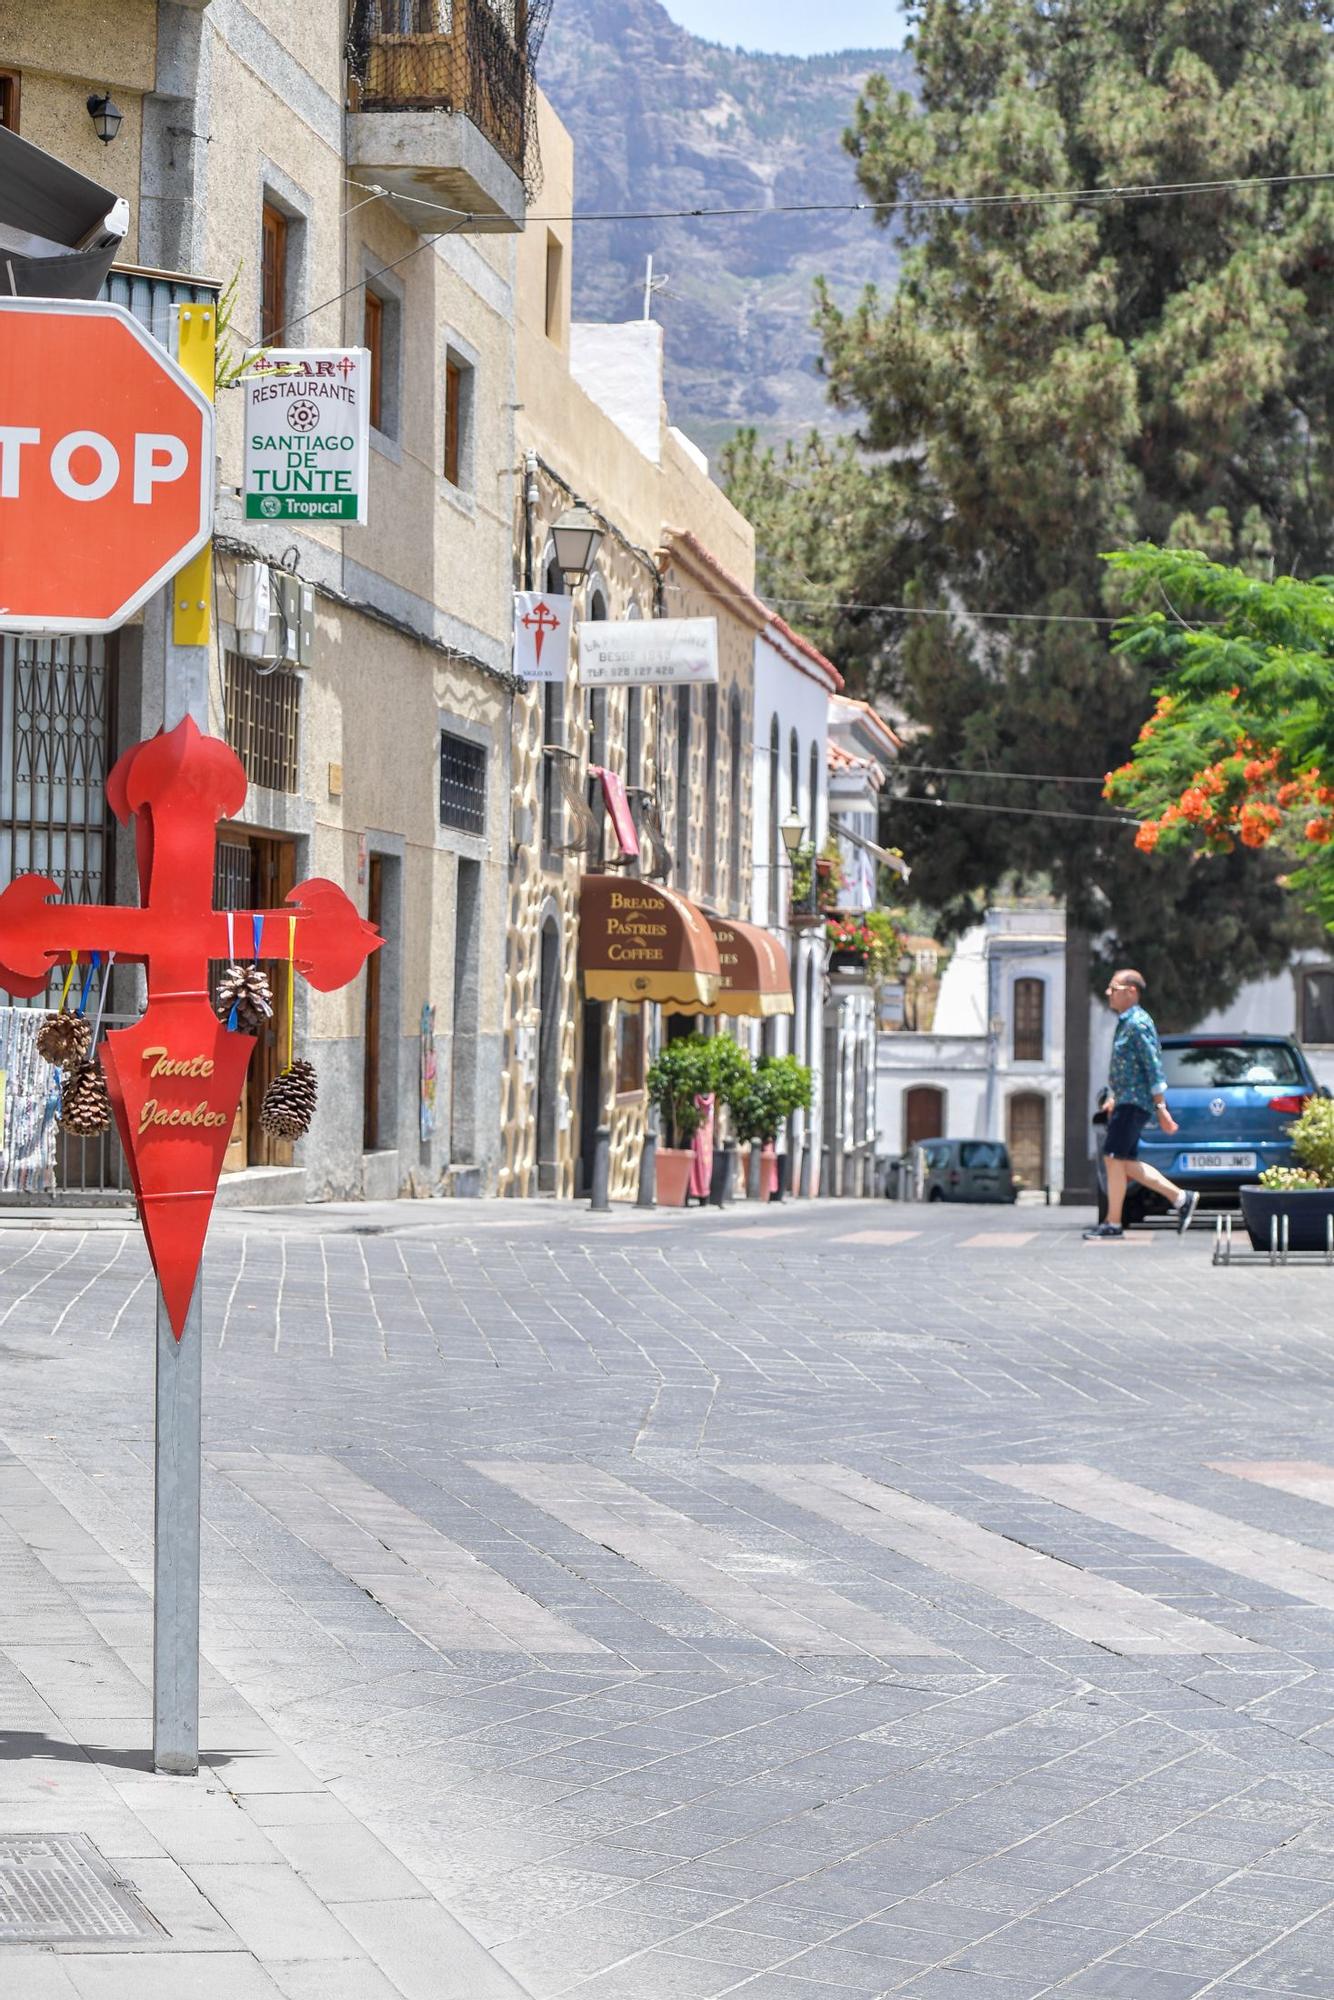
column 31, row 1105
column 701, row 1148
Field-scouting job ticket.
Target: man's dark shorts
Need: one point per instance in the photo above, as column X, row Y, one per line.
column 1123, row 1129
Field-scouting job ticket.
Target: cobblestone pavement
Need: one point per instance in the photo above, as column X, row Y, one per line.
column 847, row 1599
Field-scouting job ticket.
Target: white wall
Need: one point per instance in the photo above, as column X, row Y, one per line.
column 800, row 703
column 620, row 367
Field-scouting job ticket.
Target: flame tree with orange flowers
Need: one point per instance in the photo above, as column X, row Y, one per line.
column 1239, row 749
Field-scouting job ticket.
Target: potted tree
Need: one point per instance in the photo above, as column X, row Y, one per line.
column 1304, row 1194
column 779, row 1086
column 730, row 1074
column 678, row 1074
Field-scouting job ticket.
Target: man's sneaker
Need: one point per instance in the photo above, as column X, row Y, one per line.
column 1106, row 1232
column 1186, row 1213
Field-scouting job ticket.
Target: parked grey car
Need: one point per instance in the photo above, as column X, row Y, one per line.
column 967, row 1170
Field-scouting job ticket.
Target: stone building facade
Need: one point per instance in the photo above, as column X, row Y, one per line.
column 250, row 151
column 592, row 427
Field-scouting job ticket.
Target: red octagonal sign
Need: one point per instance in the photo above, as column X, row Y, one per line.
column 106, row 466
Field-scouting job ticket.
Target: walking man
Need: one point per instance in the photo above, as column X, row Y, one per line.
column 1138, row 1093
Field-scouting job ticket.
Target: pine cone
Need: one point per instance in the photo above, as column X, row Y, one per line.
column 289, row 1102
column 246, row 988
column 85, row 1108
column 64, row 1038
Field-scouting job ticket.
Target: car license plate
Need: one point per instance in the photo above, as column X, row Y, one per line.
column 1203, row 1163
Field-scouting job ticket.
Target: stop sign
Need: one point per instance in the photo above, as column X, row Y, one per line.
column 106, row 466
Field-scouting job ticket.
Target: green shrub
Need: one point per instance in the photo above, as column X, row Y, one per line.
column 1313, row 1138
column 779, row 1086
column 696, row 1066
column 1290, row 1180
column 677, row 1075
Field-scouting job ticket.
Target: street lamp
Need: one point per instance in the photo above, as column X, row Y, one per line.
column 105, row 114
column 576, row 538
column 906, row 967
column 793, row 830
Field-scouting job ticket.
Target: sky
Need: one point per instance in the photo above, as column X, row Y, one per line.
column 793, row 27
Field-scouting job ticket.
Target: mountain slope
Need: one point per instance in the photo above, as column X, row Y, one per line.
column 663, row 120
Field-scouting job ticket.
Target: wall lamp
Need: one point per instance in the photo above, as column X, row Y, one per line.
column 105, row 114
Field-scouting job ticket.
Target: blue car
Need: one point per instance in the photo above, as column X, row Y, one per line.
column 1234, row 1098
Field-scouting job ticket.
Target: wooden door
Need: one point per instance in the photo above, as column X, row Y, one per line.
column 234, row 889
column 370, row 1137
column 1026, row 1124
column 923, row 1115
column 274, row 875
column 254, row 872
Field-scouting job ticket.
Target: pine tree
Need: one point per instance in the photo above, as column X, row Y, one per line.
column 1054, row 380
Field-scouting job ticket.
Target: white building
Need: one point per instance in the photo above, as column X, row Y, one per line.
column 861, row 748
column 794, row 683
column 993, row 1065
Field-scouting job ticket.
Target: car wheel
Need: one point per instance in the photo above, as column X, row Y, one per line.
column 936, row 1194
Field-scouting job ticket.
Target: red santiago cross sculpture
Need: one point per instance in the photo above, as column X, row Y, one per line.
column 175, row 1077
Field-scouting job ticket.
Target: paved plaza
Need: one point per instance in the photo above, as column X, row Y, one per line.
column 845, row 1599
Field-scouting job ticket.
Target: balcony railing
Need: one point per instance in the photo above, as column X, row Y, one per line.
column 466, row 56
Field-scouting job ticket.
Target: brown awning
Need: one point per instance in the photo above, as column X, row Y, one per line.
column 639, row 941
column 755, row 975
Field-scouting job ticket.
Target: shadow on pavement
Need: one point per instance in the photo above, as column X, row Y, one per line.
column 16, row 1745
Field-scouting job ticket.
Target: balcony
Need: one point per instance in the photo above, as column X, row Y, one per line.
column 439, row 108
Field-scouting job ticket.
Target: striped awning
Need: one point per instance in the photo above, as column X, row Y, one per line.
column 756, row 979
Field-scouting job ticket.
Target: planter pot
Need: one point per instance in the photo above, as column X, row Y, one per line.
column 768, row 1170
column 847, row 961
column 1308, row 1211
column 671, row 1167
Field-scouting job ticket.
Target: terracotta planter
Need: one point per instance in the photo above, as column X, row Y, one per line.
column 1308, row 1211
column 768, row 1170
column 671, row 1167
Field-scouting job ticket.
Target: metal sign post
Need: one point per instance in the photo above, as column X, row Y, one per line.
column 178, row 1364
column 176, row 1461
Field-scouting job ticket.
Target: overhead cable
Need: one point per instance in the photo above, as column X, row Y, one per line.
column 903, row 610
column 1023, row 812
column 1023, row 777
column 1133, row 191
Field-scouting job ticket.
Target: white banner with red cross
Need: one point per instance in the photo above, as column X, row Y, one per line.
column 542, row 635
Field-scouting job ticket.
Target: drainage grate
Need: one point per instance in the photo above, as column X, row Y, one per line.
column 55, row 1888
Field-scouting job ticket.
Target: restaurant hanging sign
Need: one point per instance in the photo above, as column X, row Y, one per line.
column 652, row 652
column 307, row 434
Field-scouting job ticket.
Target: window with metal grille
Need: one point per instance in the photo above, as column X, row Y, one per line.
column 1030, row 1026
column 57, row 698
column 462, row 783
column 263, row 713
